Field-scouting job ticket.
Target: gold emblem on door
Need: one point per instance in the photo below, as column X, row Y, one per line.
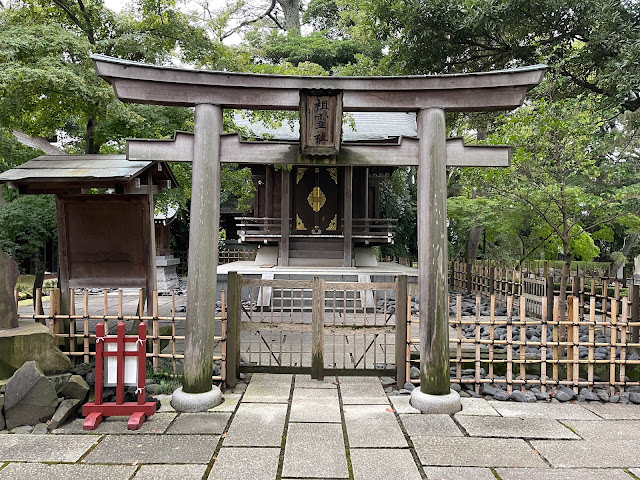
column 316, row 199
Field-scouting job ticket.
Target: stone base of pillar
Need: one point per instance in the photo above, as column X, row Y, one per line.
column 196, row 402
column 166, row 274
column 426, row 403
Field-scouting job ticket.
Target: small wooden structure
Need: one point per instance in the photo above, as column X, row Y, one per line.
column 105, row 216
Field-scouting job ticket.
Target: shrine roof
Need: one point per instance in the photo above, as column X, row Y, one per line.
column 366, row 127
column 84, row 171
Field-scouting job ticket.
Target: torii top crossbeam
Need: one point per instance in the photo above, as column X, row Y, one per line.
column 466, row 92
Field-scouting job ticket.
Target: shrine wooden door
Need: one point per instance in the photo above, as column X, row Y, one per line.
column 316, row 201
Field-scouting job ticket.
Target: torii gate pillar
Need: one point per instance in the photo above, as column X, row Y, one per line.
column 434, row 394
column 198, row 394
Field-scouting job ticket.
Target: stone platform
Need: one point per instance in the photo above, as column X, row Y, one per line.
column 285, row 426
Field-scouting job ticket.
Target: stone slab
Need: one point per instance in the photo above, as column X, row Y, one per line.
column 589, row 454
column 430, row 425
column 261, row 393
column 170, row 472
column 305, row 381
column 165, row 404
column 233, row 463
column 229, row 403
column 383, row 464
column 44, row 448
column 401, row 404
column 362, row 391
column 513, row 427
column 635, row 471
column 257, row 425
column 271, row 379
column 199, row 423
column 561, row 474
column 315, row 450
column 67, row 471
column 614, row 411
column 373, row 426
column 605, row 429
column 315, row 405
column 155, row 424
column 476, row 452
column 477, row 406
column 459, row 473
column 132, row 449
column 557, row 411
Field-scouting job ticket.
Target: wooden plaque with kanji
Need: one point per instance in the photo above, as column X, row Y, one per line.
column 320, row 122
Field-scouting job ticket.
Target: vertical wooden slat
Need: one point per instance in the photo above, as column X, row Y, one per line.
column 614, row 339
column 477, row 346
column 156, row 331
column 543, row 347
column 523, row 340
column 509, row 345
column 317, row 329
column 623, row 341
column 233, row 328
column 569, row 330
column 173, row 334
column 401, row 330
column 556, row 339
column 575, row 327
column 492, row 337
column 85, row 324
column 460, row 337
column 592, row 338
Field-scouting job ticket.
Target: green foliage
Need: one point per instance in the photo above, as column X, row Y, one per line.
column 398, row 199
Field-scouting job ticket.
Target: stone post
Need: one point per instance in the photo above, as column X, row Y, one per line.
column 8, row 277
column 434, row 394
column 198, row 393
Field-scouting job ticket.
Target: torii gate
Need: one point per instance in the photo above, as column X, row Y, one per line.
column 430, row 96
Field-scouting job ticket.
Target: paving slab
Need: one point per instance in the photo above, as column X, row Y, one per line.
column 557, row 411
column 45, row 448
column 476, row 452
column 246, row 463
column 513, row 427
column 257, row 425
column 371, row 426
column 401, row 404
column 155, row 424
column 430, row 425
column 383, row 464
column 362, row 391
column 604, row 429
column 589, row 454
column 165, row 404
column 315, row 405
column 305, row 381
column 271, row 379
column 199, row 423
column 267, row 393
column 315, row 450
column 154, row 449
column 170, row 472
column 43, row 471
column 459, row 473
column 229, row 403
column 477, row 406
column 615, row 411
column 561, row 474
column 635, row 471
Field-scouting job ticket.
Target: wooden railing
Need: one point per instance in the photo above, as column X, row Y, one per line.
column 259, row 229
column 377, row 230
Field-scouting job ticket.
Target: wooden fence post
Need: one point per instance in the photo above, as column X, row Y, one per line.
column 234, row 310
column 469, row 277
column 634, row 299
column 317, row 329
column 401, row 330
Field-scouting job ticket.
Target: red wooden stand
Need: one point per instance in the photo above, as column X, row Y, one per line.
column 137, row 411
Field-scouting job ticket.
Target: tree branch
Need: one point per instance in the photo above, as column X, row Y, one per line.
column 267, row 13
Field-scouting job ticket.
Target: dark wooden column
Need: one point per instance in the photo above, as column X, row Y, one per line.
column 268, row 191
column 203, row 249
column 348, row 214
column 285, row 215
column 63, row 255
column 150, row 231
column 432, row 253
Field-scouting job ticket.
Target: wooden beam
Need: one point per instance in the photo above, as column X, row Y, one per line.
column 142, row 83
column 285, row 215
column 150, row 234
column 348, row 215
column 404, row 153
column 203, row 249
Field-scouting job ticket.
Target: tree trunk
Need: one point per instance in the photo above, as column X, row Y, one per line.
column 90, row 142
column 473, row 242
column 562, row 298
column 291, row 10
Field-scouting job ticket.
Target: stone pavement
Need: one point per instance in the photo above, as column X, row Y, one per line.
column 292, row 427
